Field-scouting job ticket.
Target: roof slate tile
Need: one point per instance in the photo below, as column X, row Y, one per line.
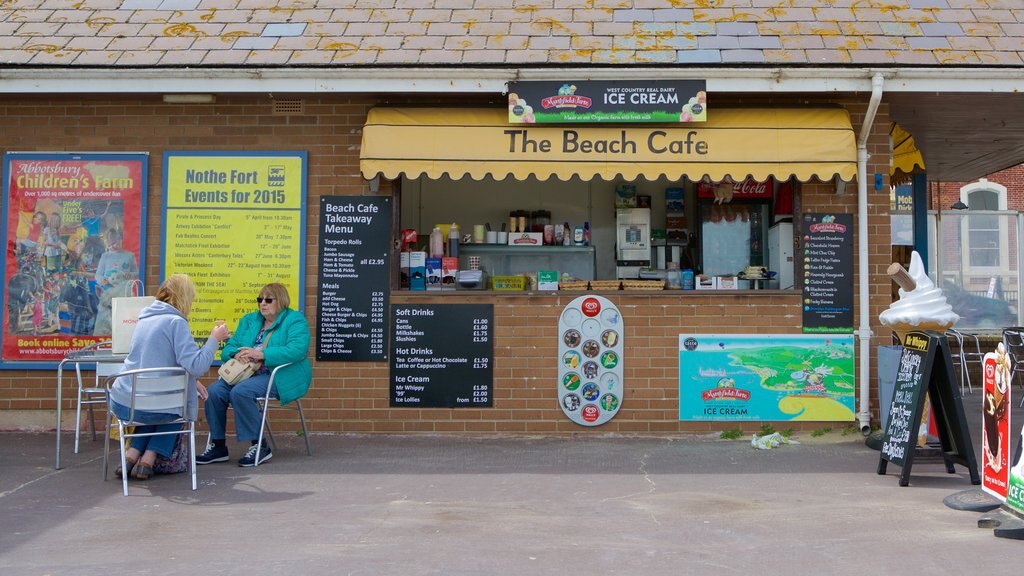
column 510, row 32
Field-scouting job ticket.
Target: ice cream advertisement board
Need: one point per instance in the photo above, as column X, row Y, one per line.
column 766, row 377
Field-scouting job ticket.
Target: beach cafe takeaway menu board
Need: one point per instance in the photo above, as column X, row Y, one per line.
column 442, row 356
column 590, row 345
column 828, row 273
column 234, row 222
column 352, row 298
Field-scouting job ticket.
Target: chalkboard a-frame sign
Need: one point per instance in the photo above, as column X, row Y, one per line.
column 926, row 366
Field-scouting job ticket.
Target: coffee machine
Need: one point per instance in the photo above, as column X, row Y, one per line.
column 632, row 241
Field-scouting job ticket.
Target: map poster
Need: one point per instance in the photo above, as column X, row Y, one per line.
column 73, row 229
column 234, row 222
column 775, row 377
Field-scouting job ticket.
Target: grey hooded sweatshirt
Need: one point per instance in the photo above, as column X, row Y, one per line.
column 162, row 338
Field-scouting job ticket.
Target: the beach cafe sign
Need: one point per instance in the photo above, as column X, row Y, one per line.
column 565, row 102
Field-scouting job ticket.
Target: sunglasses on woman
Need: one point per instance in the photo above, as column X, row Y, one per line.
column 261, row 300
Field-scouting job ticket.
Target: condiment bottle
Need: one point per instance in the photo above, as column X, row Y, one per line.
column 453, row 241
column 436, row 243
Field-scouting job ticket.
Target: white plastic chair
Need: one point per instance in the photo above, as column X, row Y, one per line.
column 1013, row 341
column 265, row 401
column 152, row 390
column 96, row 393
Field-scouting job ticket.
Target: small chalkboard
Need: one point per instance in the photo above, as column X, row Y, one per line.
column 926, row 366
column 442, row 356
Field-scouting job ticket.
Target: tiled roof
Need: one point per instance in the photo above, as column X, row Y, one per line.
column 262, row 33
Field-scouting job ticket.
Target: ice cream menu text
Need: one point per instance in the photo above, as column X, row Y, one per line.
column 827, row 241
column 352, row 296
column 442, row 356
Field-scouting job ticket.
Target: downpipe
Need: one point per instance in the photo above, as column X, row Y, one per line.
column 864, row 332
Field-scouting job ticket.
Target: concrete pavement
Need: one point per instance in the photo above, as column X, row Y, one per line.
column 424, row 505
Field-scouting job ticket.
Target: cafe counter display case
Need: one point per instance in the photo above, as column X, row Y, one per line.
column 501, row 260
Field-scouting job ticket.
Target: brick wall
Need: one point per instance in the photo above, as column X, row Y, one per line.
column 354, row 397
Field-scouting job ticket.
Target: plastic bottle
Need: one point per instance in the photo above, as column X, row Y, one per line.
column 453, row 241
column 586, row 233
column 566, row 235
column 436, row 243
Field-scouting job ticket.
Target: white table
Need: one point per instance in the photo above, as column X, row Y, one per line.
column 77, row 358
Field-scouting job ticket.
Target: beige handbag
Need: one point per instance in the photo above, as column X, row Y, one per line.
column 234, row 371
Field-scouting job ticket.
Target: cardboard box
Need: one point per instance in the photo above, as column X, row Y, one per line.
column 526, row 239
column 702, row 282
column 433, row 273
column 449, row 272
column 625, row 196
column 417, row 270
column 728, row 283
column 547, row 280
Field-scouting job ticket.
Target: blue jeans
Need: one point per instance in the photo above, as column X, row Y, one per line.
column 163, row 444
column 242, row 397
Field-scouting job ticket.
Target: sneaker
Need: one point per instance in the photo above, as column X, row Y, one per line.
column 250, row 457
column 213, row 454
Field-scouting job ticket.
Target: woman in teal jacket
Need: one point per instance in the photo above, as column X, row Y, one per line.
column 273, row 336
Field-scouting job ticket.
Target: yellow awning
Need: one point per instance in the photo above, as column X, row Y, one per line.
column 906, row 158
column 760, row 143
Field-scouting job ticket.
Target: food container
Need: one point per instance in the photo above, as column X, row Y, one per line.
column 508, row 283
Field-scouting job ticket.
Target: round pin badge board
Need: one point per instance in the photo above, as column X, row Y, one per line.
column 590, row 344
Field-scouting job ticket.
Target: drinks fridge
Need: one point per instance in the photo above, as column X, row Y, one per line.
column 632, row 241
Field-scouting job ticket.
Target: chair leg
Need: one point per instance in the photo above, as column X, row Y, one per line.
column 78, row 417
column 192, row 452
column 124, row 460
column 106, row 449
column 305, row 433
column 263, row 426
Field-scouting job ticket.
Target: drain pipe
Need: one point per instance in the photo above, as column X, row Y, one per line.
column 864, row 332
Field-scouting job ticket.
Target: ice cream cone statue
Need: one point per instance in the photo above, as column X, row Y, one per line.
column 922, row 306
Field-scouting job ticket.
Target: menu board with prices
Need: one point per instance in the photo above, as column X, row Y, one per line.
column 590, row 346
column 828, row 273
column 442, row 356
column 234, row 222
column 926, row 366
column 352, row 297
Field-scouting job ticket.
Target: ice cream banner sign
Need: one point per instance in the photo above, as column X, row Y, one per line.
column 758, row 377
column 590, row 345
column 563, row 102
column 926, row 366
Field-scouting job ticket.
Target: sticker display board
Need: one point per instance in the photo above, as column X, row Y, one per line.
column 73, row 227
column 995, row 424
column 352, row 295
column 926, row 366
column 775, row 377
column 828, row 273
column 234, row 222
column 442, row 356
column 590, row 344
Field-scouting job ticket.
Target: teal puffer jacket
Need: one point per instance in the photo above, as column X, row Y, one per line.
column 289, row 342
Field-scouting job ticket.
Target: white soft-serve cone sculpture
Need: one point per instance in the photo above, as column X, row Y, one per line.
column 922, row 305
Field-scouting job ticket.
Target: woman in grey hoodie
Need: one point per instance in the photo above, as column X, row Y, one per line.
column 162, row 338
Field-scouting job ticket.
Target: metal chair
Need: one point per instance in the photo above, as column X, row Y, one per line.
column 265, row 402
column 152, row 390
column 96, row 393
column 967, row 352
column 1013, row 341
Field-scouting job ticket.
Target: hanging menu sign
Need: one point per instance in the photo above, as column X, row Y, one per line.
column 352, row 297
column 828, row 273
column 442, row 356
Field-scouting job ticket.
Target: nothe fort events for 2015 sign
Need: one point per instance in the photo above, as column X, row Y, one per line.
column 234, row 222
column 766, row 377
column 72, row 226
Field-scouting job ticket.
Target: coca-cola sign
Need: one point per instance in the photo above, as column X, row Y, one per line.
column 748, row 188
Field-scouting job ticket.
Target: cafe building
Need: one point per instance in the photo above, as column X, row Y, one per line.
column 555, row 221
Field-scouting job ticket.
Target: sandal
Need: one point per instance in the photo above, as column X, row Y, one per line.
column 131, row 465
column 142, row 471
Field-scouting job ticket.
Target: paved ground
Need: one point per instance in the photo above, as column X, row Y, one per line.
column 412, row 505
